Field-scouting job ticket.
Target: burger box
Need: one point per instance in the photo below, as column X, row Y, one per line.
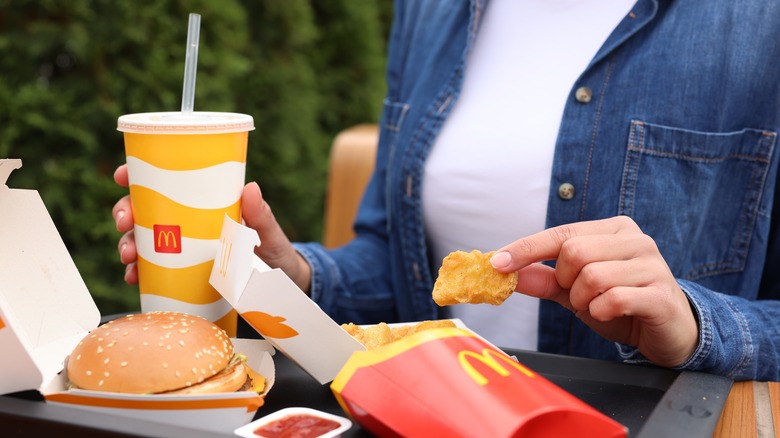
column 452, row 381
column 277, row 308
column 46, row 309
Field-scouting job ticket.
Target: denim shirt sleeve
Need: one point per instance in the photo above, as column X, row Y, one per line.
column 734, row 336
column 344, row 286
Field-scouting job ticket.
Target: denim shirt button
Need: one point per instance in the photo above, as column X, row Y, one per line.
column 583, row 94
column 566, row 191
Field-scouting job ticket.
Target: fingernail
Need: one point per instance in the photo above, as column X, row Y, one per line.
column 119, row 215
column 501, row 259
column 128, row 268
column 122, row 251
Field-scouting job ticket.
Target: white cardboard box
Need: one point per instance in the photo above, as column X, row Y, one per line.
column 277, row 308
column 46, row 308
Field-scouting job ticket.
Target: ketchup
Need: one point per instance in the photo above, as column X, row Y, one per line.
column 297, row 426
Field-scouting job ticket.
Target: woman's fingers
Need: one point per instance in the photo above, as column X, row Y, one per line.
column 120, row 176
column 123, row 214
column 583, row 255
column 547, row 244
column 257, row 214
column 614, row 278
column 538, row 280
column 275, row 248
column 128, row 255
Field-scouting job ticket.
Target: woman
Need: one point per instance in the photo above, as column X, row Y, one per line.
column 632, row 142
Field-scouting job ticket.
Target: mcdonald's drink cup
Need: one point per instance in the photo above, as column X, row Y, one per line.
column 186, row 173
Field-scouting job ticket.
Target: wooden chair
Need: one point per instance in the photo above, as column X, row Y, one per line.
column 352, row 157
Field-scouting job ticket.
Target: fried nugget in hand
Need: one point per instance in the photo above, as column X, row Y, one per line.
column 468, row 277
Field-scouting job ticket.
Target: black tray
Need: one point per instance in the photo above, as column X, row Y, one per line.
column 649, row 401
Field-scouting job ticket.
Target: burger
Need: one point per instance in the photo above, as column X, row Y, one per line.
column 160, row 353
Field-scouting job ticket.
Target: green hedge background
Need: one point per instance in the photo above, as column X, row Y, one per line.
column 304, row 69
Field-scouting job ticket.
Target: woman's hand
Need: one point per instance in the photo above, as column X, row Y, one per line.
column 275, row 249
column 123, row 216
column 612, row 276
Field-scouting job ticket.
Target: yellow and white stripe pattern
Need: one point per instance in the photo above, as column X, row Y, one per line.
column 181, row 186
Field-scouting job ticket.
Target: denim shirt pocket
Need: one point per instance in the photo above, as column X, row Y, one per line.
column 697, row 194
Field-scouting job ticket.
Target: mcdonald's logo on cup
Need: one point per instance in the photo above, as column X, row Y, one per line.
column 167, row 239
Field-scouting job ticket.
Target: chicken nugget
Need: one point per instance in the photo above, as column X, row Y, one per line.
column 432, row 324
column 401, row 332
column 355, row 331
column 377, row 335
column 468, row 277
column 382, row 334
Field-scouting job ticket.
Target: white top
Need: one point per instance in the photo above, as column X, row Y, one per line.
column 487, row 179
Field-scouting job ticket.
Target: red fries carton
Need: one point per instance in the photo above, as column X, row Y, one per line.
column 450, row 382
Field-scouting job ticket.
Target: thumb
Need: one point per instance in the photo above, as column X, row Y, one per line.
column 275, row 249
column 252, row 206
column 257, row 215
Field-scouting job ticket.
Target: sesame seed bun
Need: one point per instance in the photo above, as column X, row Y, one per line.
column 157, row 352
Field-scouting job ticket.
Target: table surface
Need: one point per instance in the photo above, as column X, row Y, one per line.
column 752, row 409
column 648, row 400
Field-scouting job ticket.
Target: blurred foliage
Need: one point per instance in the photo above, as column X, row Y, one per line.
column 304, row 69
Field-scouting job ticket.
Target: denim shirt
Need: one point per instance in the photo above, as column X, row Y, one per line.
column 673, row 123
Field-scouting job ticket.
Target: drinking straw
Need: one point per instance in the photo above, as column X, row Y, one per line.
column 190, row 64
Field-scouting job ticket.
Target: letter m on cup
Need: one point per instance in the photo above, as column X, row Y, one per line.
column 167, row 239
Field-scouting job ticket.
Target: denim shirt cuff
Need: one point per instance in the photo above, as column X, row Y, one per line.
column 632, row 355
column 704, row 322
column 315, row 289
column 725, row 341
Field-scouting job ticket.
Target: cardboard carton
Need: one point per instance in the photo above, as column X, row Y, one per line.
column 450, row 382
column 46, row 308
column 277, row 308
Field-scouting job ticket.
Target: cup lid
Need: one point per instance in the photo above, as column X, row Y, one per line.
column 176, row 122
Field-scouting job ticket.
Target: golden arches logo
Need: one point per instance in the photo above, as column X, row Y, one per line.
column 167, row 239
column 489, row 358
